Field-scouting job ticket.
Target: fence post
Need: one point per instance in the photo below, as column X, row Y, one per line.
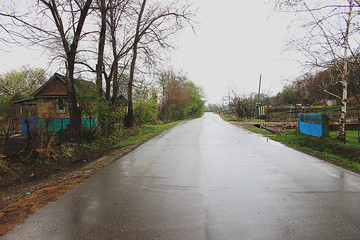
column 290, row 115
column 358, row 128
column 325, row 125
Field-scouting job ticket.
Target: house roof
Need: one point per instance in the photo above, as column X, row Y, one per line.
column 55, row 77
column 121, row 97
column 82, row 87
column 23, row 100
column 80, row 84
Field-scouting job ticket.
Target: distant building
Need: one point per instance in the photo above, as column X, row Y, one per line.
column 121, row 100
column 330, row 102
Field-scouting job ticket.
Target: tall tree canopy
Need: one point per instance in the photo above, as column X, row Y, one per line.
column 21, row 83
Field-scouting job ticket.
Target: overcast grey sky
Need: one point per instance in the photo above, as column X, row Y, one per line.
column 235, row 42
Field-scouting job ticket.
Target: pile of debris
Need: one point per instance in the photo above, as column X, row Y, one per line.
column 273, row 127
column 279, row 127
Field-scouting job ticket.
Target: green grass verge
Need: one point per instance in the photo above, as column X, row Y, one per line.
column 347, row 154
column 257, row 130
column 143, row 133
column 251, row 120
column 234, row 118
column 351, row 138
column 229, row 117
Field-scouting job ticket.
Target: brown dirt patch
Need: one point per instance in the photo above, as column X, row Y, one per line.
column 19, row 202
column 18, row 211
column 274, row 127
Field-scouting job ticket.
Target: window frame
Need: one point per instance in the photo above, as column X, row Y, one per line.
column 63, row 104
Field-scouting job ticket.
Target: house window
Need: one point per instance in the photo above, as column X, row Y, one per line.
column 60, row 105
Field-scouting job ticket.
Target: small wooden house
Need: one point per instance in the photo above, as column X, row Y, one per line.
column 48, row 107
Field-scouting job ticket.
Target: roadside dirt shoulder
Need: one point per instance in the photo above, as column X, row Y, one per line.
column 19, row 202
column 274, row 127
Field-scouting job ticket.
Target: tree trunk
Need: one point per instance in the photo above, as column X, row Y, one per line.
column 115, row 63
column 74, row 110
column 345, row 77
column 70, row 51
column 100, row 62
column 342, row 120
column 108, row 89
column 129, row 119
column 115, row 83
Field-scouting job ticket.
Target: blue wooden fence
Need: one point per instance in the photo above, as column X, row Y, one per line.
column 314, row 124
column 33, row 122
column 55, row 124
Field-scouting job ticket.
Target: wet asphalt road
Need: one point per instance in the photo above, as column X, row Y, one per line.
column 206, row 179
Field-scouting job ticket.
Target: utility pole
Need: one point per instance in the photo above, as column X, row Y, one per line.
column 258, row 106
column 259, row 89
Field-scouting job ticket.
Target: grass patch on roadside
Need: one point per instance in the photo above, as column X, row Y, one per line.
column 347, row 154
column 143, row 133
column 251, row 120
column 229, row 117
column 351, row 138
column 257, row 130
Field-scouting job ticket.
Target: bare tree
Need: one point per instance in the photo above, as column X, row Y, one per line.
column 155, row 24
column 58, row 26
column 79, row 12
column 242, row 105
column 102, row 37
column 330, row 42
column 145, row 27
column 110, row 17
column 128, row 121
column 120, row 46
